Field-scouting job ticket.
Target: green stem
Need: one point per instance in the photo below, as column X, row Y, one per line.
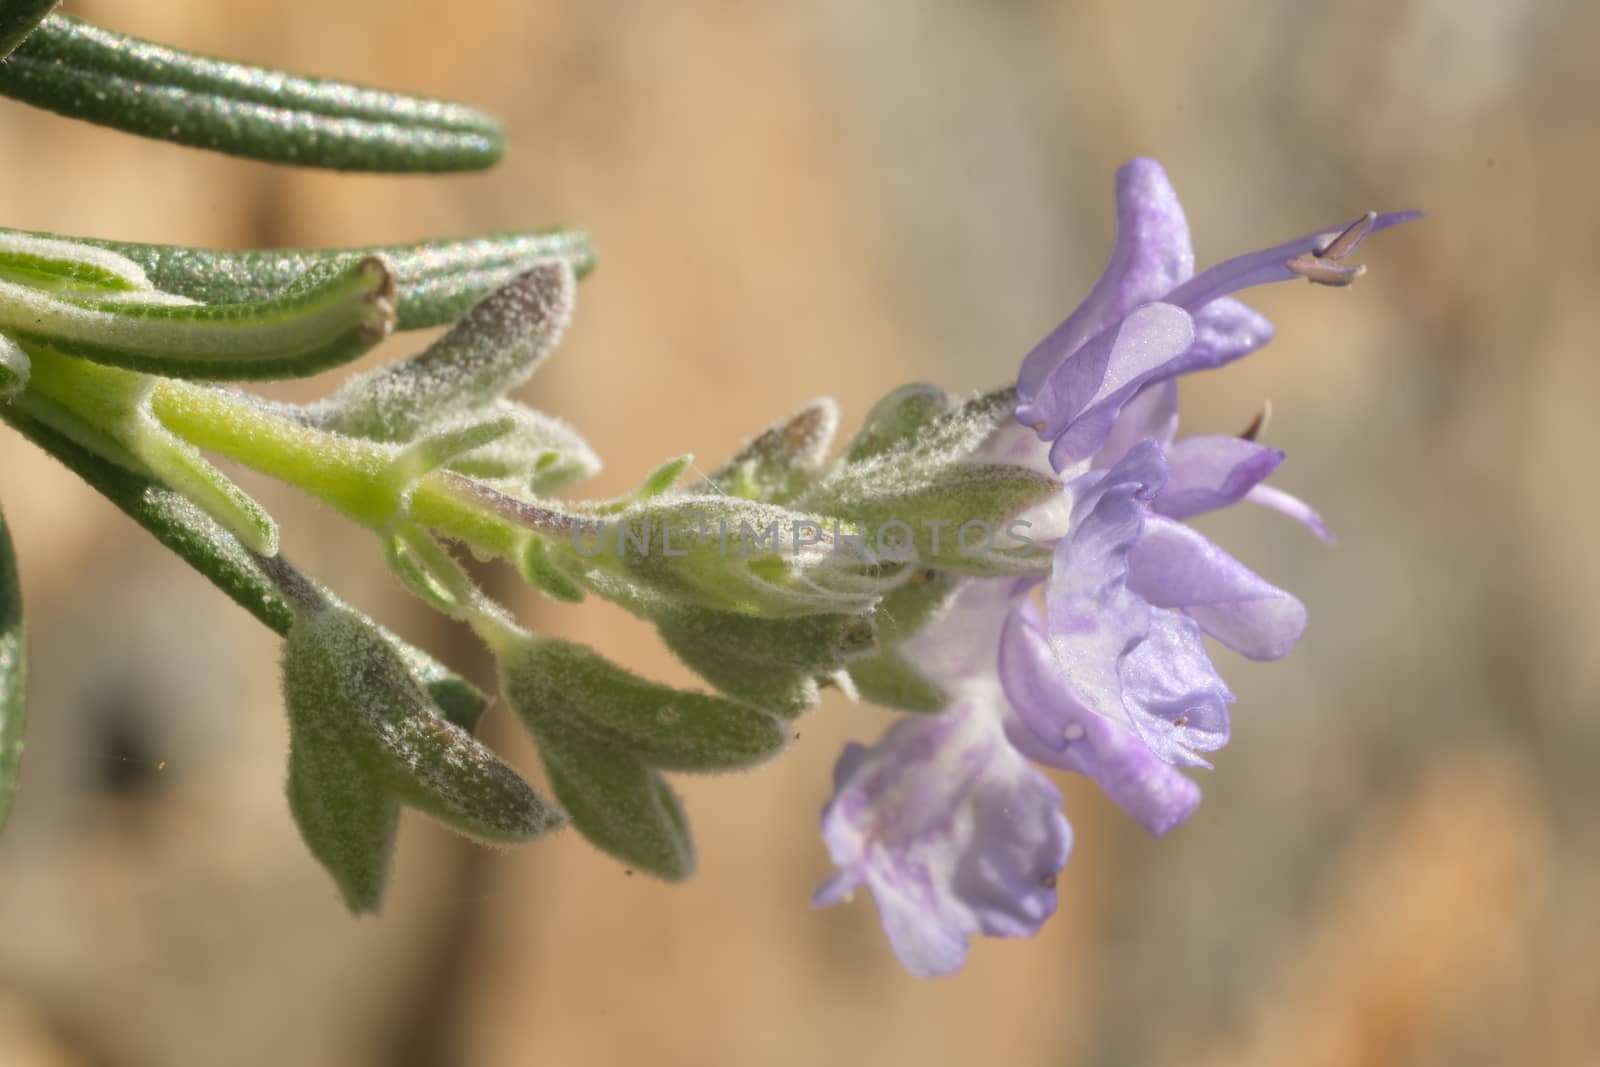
column 347, row 472
column 208, row 548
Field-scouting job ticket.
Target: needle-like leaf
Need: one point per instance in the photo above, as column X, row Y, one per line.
column 435, row 281
column 13, row 675
column 329, row 317
column 138, row 86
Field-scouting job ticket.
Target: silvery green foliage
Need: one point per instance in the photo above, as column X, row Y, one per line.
column 768, row 577
column 783, row 459
column 491, row 350
column 365, row 738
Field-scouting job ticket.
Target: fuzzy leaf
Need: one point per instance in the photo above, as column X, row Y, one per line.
column 112, row 79
column 778, row 689
column 783, row 460
column 544, row 570
column 362, row 730
column 436, row 282
column 957, row 518
column 887, row 679
column 13, row 672
column 817, row 643
column 492, row 349
column 346, row 818
column 330, row 316
column 549, row 681
column 70, row 267
column 772, row 664
column 730, row 554
column 622, row 807
column 904, row 610
column 540, row 455
column 897, row 419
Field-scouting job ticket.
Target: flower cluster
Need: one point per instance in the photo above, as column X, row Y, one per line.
column 1101, row 667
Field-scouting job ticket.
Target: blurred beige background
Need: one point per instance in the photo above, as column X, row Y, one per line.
column 1399, row 854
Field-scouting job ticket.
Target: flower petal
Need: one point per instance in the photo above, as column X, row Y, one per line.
column 954, row 832
column 1175, row 566
column 1152, row 413
column 1078, row 405
column 1212, row 471
column 1178, row 702
column 1092, row 616
column 1224, row 330
column 1152, row 254
column 1051, row 728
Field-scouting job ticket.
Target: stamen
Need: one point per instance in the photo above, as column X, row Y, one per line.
column 1346, row 242
column 1181, row 720
column 1259, row 423
column 1314, row 268
column 1073, row 732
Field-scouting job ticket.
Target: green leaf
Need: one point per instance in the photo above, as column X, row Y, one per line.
column 540, row 455
column 346, row 818
column 436, row 282
column 549, row 573
column 957, row 519
column 444, row 445
column 549, row 681
column 897, row 419
column 140, row 87
column 13, row 672
column 362, row 731
column 725, row 553
column 917, row 488
column 15, row 368
column 910, row 605
column 778, row 689
column 622, row 807
column 208, row 548
column 69, row 267
column 772, row 664
column 491, row 350
column 888, row 679
column 330, row 316
column 817, row 643
column 18, row 18
column 783, row 459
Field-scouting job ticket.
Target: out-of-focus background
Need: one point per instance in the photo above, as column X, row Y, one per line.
column 1399, row 854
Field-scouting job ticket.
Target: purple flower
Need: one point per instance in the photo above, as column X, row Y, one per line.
column 953, row 831
column 947, row 820
column 1150, row 318
column 944, row 820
